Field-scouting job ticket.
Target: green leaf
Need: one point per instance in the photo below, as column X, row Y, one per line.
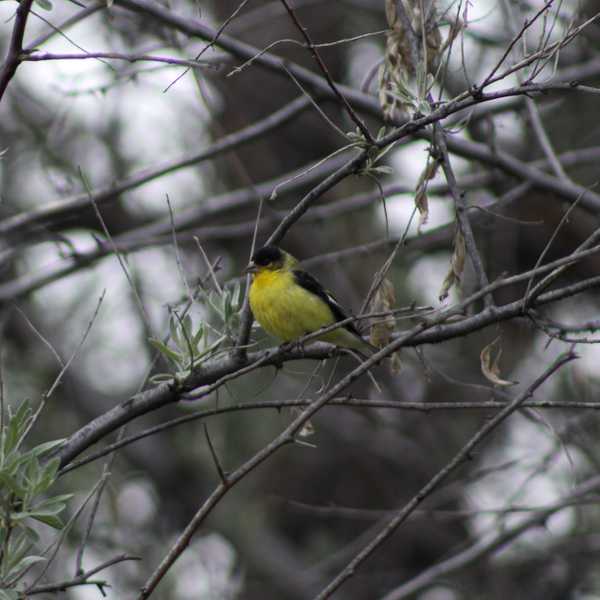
column 237, row 291
column 198, row 335
column 52, row 506
column 46, row 511
column 167, row 352
column 213, row 346
column 18, row 547
column 28, row 561
column 12, row 484
column 214, row 301
column 187, row 325
column 174, row 330
column 50, row 520
column 16, row 462
column 59, row 498
column 6, row 594
column 31, row 534
column 16, row 427
column 48, row 475
column 47, row 446
column 32, row 469
column 45, row 4
column 227, row 305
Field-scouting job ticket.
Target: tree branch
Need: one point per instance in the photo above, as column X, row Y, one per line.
column 434, row 330
column 441, row 475
column 13, row 56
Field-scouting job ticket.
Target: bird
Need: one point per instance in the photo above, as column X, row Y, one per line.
column 289, row 303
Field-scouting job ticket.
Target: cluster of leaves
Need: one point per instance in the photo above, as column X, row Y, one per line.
column 371, row 168
column 189, row 345
column 401, row 67
column 25, row 480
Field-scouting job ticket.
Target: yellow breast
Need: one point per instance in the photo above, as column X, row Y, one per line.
column 285, row 309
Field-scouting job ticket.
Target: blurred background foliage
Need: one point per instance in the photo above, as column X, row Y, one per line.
column 295, row 522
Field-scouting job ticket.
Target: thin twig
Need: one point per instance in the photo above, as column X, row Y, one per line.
column 41, row 336
column 209, row 266
column 68, row 208
column 543, row 253
column 55, row 545
column 247, row 318
column 462, row 216
column 59, row 29
column 132, row 58
column 220, row 471
column 65, row 367
column 485, row 547
column 357, row 120
column 69, row 40
column 516, row 37
column 178, row 261
column 82, row 579
column 94, row 511
column 344, row 401
column 116, row 252
column 560, row 269
column 315, row 104
column 532, row 109
column 212, row 42
column 272, row 45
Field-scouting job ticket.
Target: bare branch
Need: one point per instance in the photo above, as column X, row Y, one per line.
column 357, row 120
column 490, row 545
column 13, row 56
column 83, row 579
column 441, row 475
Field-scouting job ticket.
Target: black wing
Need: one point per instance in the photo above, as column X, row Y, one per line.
column 309, row 283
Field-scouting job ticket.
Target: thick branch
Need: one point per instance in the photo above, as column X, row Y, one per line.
column 435, row 331
column 67, row 209
column 13, row 56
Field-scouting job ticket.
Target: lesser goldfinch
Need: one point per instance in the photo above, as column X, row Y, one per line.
column 289, row 302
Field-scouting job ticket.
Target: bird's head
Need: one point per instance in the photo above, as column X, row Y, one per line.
column 270, row 258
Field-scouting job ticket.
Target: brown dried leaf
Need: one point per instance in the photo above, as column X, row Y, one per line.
column 393, row 75
column 490, row 364
column 434, row 43
column 395, row 363
column 421, row 199
column 398, row 68
column 308, row 429
column 383, row 301
column 390, row 12
column 429, row 172
column 422, row 205
column 457, row 265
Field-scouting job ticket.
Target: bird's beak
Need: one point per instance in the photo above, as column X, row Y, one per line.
column 251, row 268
